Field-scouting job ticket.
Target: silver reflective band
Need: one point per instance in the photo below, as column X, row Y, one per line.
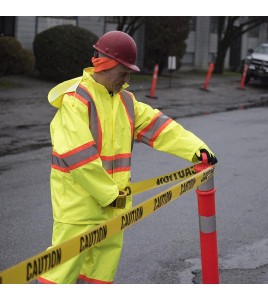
column 94, row 124
column 160, row 120
column 207, row 224
column 129, row 105
column 207, row 186
column 116, row 163
column 130, row 108
column 74, row 159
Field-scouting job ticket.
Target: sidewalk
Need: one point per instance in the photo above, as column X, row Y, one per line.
column 186, row 97
column 25, row 113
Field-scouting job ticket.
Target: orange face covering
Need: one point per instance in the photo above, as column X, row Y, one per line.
column 103, row 63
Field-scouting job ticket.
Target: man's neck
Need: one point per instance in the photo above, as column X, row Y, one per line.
column 97, row 78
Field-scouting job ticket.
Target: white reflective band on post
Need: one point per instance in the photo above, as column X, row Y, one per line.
column 207, row 224
column 207, row 186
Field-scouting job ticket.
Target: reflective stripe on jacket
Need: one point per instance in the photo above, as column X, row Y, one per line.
column 92, row 135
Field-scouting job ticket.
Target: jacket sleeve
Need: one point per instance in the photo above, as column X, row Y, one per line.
column 162, row 133
column 75, row 152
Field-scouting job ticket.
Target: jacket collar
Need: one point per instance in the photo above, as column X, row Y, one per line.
column 87, row 75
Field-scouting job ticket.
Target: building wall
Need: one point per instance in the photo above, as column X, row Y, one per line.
column 95, row 25
column 25, row 31
column 43, row 23
column 201, row 43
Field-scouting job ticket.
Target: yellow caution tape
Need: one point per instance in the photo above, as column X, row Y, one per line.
column 145, row 185
column 31, row 268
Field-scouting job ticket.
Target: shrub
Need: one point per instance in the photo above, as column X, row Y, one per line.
column 62, row 52
column 13, row 58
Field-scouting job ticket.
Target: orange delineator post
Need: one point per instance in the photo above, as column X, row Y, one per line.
column 153, row 86
column 207, row 227
column 243, row 78
column 209, row 73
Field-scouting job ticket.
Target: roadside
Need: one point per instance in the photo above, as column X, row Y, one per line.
column 25, row 113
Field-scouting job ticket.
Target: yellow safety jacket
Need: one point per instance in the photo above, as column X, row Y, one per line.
column 92, row 136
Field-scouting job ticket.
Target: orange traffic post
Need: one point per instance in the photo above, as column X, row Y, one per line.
column 207, row 226
column 209, row 73
column 243, row 78
column 154, row 81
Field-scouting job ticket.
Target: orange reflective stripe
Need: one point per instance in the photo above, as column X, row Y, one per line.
column 150, row 133
column 160, row 129
column 71, row 94
column 44, row 281
column 116, row 163
column 83, row 279
column 75, row 158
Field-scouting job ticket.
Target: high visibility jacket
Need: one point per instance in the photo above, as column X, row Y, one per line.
column 92, row 136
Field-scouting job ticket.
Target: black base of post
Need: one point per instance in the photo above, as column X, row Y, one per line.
column 153, row 97
column 203, row 89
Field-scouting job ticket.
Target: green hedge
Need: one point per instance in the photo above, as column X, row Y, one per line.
column 62, row 52
column 13, row 58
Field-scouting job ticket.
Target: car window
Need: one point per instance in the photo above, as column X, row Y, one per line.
column 262, row 49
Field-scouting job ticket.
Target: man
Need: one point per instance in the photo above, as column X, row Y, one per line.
column 92, row 135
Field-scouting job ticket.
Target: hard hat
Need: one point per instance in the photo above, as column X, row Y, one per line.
column 119, row 46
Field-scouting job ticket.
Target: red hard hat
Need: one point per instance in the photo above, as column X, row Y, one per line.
column 119, row 46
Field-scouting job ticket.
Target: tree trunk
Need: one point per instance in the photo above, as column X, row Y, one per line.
column 219, row 63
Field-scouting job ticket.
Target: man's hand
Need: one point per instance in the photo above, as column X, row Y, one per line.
column 120, row 201
column 210, row 155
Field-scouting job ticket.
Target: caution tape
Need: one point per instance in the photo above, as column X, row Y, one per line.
column 148, row 184
column 31, row 268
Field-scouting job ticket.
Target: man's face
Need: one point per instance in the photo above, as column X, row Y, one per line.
column 115, row 78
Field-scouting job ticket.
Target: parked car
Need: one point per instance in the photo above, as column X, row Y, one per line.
column 257, row 61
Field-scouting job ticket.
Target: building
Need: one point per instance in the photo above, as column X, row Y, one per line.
column 201, row 42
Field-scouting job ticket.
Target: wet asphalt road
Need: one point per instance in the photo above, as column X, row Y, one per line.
column 164, row 248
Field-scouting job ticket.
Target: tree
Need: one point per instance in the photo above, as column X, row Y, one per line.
column 63, row 51
column 229, row 29
column 129, row 24
column 14, row 59
column 165, row 36
column 157, row 47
